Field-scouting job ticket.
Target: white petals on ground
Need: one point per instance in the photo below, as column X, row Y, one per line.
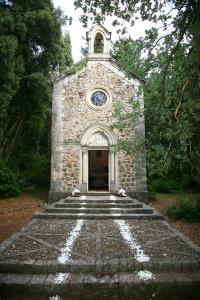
column 55, row 298
column 66, row 251
column 60, row 277
column 112, row 197
column 145, row 275
column 140, row 256
column 131, row 241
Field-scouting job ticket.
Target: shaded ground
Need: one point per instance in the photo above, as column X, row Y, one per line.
column 16, row 212
column 163, row 201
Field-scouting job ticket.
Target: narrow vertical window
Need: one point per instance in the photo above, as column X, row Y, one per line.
column 98, row 43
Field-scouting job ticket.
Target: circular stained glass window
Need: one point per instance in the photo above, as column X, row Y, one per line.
column 98, row 98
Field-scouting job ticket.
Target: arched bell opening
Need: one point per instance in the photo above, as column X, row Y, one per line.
column 98, row 43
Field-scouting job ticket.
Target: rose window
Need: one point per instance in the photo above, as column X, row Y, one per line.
column 98, row 98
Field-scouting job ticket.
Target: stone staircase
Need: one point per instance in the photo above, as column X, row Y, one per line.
column 99, row 207
column 99, row 247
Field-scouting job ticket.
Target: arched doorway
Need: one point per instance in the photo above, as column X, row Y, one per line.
column 98, row 170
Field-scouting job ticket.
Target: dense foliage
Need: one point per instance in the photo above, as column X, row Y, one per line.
column 31, row 51
column 171, row 141
column 66, row 59
column 186, row 210
column 9, row 185
column 168, row 58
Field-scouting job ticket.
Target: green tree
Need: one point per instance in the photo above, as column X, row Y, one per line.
column 128, row 54
column 31, row 49
column 172, row 145
column 66, row 59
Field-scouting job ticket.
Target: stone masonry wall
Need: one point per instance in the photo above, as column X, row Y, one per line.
column 126, row 171
column 78, row 116
column 70, row 169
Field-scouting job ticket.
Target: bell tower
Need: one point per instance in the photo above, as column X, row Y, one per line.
column 99, row 40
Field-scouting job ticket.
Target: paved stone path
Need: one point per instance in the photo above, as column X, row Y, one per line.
column 125, row 258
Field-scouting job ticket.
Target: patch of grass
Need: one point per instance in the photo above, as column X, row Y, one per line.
column 186, row 210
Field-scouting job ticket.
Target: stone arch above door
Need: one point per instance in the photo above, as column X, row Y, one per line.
column 98, row 139
column 98, row 136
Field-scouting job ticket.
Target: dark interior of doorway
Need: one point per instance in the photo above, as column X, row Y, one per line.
column 98, row 170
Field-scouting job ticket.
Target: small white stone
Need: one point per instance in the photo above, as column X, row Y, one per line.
column 55, row 298
column 61, row 277
column 145, row 275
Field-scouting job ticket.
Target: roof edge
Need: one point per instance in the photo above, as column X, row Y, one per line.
column 69, row 72
column 66, row 72
column 100, row 25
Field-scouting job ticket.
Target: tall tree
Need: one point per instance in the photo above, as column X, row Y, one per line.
column 172, row 146
column 31, row 48
column 66, row 59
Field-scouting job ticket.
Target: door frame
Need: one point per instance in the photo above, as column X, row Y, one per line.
column 112, row 165
column 99, row 137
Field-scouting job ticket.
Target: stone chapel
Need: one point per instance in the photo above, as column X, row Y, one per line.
column 84, row 143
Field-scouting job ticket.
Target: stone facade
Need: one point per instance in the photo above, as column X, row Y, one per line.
column 126, row 171
column 78, row 116
column 76, row 122
column 70, row 169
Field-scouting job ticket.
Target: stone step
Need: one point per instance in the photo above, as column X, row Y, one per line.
column 162, row 286
column 99, row 267
column 118, row 201
column 100, row 210
column 99, row 198
column 98, row 205
column 100, row 193
column 100, row 216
